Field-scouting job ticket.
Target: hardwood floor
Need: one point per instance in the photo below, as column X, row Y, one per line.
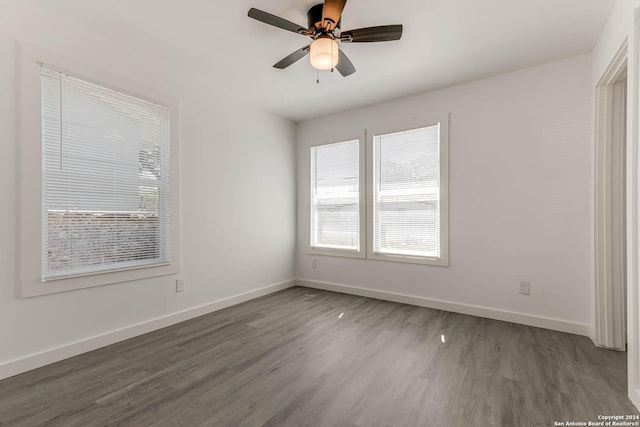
column 304, row 357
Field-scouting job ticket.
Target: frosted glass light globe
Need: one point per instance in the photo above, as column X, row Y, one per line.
column 324, row 54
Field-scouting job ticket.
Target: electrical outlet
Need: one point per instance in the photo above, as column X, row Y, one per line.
column 524, row 287
column 180, row 284
column 314, row 263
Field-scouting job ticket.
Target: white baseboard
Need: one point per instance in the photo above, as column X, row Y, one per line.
column 33, row 361
column 634, row 396
column 489, row 313
column 592, row 336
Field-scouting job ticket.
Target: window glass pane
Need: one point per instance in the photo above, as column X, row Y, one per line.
column 106, row 178
column 407, row 193
column 335, row 196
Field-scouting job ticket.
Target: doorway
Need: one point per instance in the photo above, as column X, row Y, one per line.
column 611, row 206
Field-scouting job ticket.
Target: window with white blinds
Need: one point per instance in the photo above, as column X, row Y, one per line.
column 335, row 196
column 406, row 193
column 106, row 179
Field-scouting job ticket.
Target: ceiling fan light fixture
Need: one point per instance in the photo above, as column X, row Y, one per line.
column 324, row 53
column 324, row 29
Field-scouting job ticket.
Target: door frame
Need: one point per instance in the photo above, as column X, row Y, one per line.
column 610, row 194
column 633, row 207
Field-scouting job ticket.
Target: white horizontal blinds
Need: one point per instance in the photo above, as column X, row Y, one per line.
column 407, row 193
column 335, row 196
column 106, row 179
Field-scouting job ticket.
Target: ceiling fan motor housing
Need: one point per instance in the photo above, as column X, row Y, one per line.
column 314, row 18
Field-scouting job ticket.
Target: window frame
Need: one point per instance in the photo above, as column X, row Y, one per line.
column 443, row 260
column 30, row 158
column 361, row 253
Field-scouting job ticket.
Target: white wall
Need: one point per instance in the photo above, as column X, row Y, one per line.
column 521, row 185
column 237, row 193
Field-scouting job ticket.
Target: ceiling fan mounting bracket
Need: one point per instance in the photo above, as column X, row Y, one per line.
column 314, row 19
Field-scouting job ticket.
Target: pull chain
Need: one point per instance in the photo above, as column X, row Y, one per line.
column 317, row 76
column 332, row 56
column 60, row 117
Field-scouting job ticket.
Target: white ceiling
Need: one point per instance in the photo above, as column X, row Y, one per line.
column 445, row 42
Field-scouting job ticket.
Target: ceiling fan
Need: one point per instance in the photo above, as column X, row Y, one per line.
column 324, row 21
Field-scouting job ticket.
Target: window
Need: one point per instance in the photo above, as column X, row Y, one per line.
column 106, row 179
column 335, row 197
column 409, row 195
column 396, row 185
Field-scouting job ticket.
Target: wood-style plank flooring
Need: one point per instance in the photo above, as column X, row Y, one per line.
column 304, row 357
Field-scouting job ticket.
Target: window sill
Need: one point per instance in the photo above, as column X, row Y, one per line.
column 35, row 287
column 441, row 262
column 345, row 253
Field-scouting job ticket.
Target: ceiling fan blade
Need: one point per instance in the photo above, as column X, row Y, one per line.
column 331, row 13
column 276, row 21
column 293, row 58
column 382, row 33
column 345, row 67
